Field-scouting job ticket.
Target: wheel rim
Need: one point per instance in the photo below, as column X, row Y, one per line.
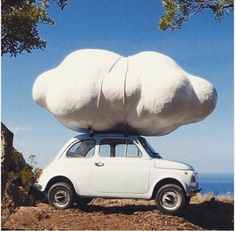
column 170, row 200
column 60, row 197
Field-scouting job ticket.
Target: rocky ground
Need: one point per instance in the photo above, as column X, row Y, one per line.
column 122, row 215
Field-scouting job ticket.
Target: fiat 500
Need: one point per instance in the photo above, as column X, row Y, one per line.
column 116, row 166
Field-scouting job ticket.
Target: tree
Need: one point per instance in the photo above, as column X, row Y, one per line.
column 20, row 19
column 176, row 12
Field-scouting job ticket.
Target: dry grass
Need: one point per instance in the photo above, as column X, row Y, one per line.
column 199, row 198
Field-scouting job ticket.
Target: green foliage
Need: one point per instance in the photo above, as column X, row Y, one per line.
column 27, row 175
column 20, row 172
column 176, row 12
column 20, row 19
column 17, row 161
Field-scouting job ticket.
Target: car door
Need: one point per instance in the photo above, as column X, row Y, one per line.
column 121, row 169
column 78, row 165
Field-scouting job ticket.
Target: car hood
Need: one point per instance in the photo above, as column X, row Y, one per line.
column 167, row 164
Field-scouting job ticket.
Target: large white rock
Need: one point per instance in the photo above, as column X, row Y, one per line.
column 147, row 93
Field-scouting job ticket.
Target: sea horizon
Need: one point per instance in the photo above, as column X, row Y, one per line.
column 217, row 183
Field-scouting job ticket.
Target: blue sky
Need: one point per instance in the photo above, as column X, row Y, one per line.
column 202, row 47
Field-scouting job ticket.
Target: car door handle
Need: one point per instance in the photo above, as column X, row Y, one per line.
column 99, row 164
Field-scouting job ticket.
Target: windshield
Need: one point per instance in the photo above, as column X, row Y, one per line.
column 149, row 149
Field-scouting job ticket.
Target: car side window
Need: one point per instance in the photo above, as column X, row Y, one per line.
column 133, row 151
column 105, row 150
column 128, row 149
column 83, row 148
column 119, row 148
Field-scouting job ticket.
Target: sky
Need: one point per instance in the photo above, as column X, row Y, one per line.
column 202, row 47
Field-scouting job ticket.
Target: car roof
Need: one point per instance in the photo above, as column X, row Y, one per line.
column 105, row 135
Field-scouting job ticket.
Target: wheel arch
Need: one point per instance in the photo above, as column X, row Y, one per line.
column 57, row 179
column 164, row 182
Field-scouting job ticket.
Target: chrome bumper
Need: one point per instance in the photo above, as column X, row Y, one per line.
column 196, row 190
column 193, row 191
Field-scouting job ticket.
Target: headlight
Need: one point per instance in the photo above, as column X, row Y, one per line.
column 194, row 177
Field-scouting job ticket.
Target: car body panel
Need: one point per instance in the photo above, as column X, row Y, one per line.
column 122, row 175
column 116, row 177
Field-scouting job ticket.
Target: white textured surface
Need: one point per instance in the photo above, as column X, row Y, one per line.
column 147, row 93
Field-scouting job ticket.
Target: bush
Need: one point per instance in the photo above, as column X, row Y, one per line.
column 20, row 173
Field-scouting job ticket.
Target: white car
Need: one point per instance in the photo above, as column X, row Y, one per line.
column 116, row 166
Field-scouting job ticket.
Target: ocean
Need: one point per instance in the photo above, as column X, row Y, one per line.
column 218, row 184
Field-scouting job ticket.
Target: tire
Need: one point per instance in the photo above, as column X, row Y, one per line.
column 61, row 195
column 187, row 201
column 83, row 202
column 170, row 199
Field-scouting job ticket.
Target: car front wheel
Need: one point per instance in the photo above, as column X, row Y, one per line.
column 60, row 195
column 170, row 199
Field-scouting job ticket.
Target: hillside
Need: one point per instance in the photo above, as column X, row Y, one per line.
column 125, row 214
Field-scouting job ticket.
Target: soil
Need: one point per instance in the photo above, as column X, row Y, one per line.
column 113, row 214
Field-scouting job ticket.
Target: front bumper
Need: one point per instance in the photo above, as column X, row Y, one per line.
column 193, row 191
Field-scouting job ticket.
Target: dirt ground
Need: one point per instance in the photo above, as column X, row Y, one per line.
column 113, row 214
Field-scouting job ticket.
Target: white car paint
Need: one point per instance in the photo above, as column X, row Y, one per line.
column 118, row 177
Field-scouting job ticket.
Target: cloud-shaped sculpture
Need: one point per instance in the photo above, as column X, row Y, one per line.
column 147, row 93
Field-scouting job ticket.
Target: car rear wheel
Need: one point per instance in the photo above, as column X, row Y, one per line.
column 170, row 199
column 60, row 195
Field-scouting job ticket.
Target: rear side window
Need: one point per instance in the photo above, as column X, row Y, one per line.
column 127, row 150
column 83, row 148
column 119, row 148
